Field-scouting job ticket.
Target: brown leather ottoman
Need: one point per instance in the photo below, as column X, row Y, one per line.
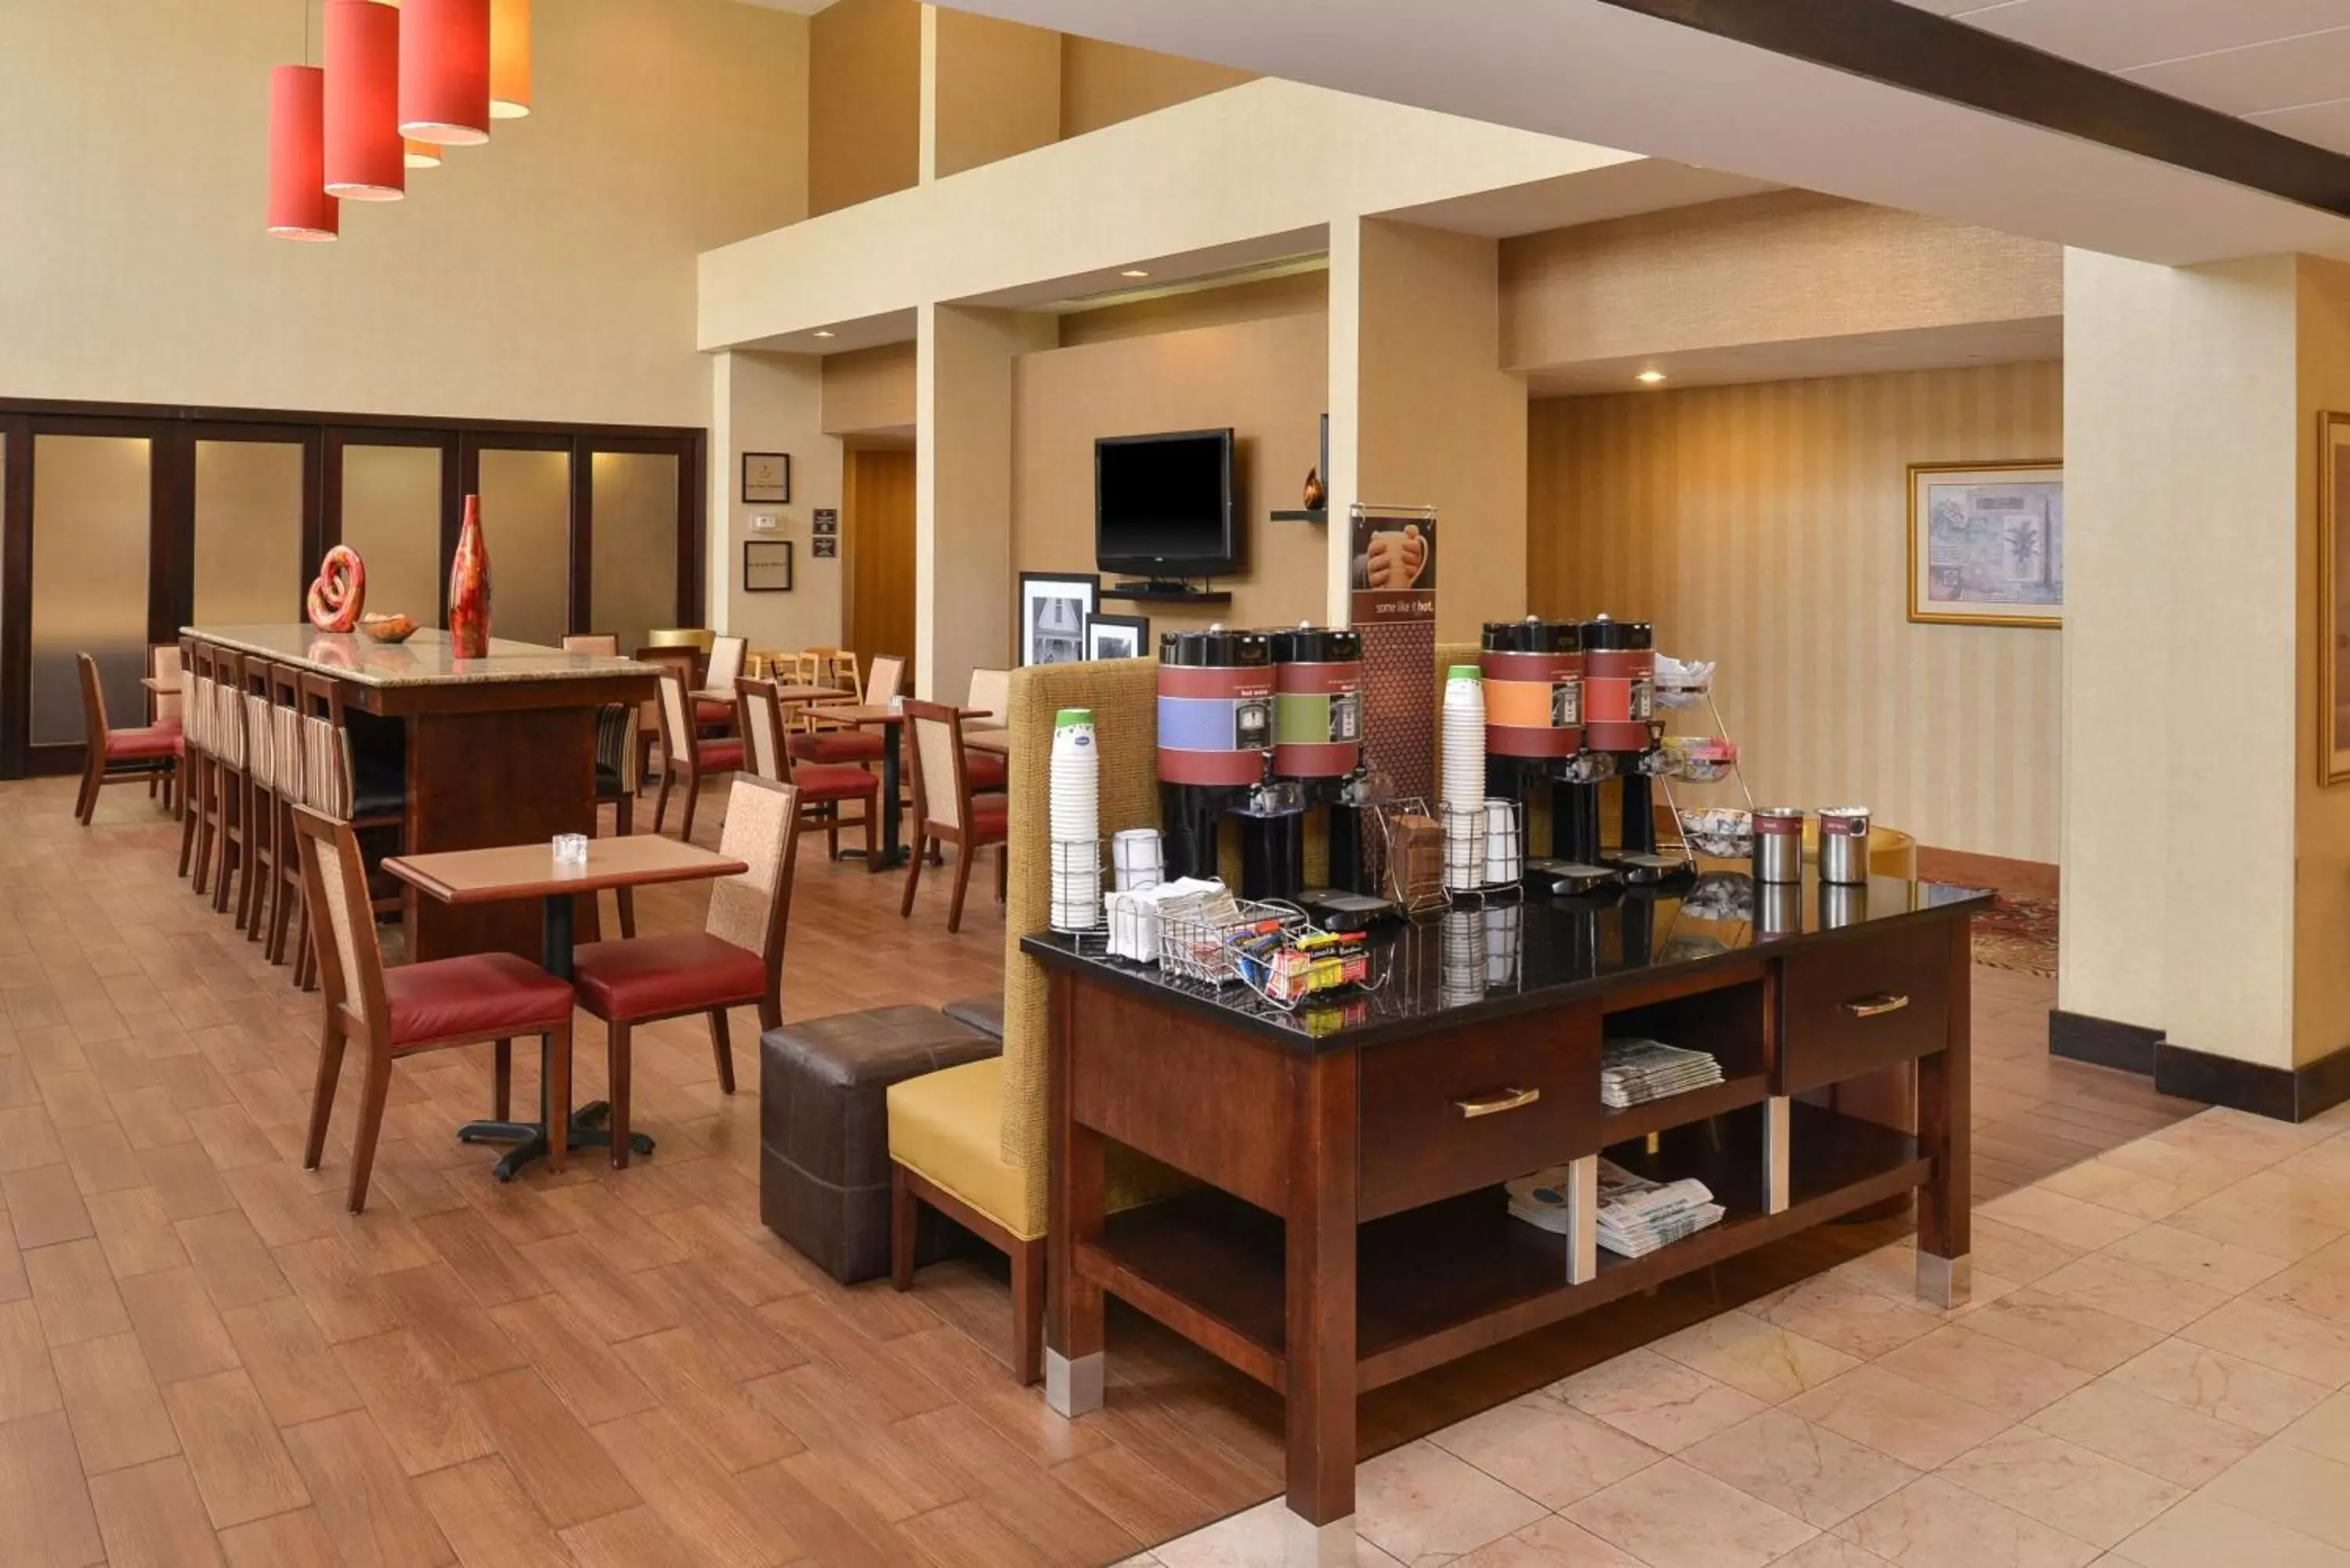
column 984, row 1014
column 823, row 1129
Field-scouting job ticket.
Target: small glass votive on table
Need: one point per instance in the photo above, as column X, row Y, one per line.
column 571, row 849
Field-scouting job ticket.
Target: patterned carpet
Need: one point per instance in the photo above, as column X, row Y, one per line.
column 2018, row 934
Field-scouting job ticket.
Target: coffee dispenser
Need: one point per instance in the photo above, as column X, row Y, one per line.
column 1535, row 739
column 1215, row 736
column 1318, row 740
column 1619, row 686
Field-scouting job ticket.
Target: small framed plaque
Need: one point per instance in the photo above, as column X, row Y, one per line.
column 824, row 549
column 767, row 566
column 766, row 478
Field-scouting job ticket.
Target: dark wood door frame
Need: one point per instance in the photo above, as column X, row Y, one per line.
column 172, row 431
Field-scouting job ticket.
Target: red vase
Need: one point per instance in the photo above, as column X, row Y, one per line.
column 469, row 587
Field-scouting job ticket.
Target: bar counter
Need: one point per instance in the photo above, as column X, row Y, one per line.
column 1350, row 1228
column 494, row 751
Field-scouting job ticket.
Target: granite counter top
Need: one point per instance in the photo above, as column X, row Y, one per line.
column 427, row 658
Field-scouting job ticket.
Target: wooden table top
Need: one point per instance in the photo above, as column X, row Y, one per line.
column 861, row 713
column 427, row 658
column 529, row 871
column 996, row 740
column 783, row 694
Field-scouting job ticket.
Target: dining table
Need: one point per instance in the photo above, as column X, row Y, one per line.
column 530, row 871
column 890, row 722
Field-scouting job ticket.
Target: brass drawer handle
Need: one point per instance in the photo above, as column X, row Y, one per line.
column 1496, row 1102
column 1876, row 1006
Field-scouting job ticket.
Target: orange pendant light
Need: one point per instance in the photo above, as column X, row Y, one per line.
column 421, row 155
column 300, row 207
column 444, row 71
column 509, row 59
column 363, row 149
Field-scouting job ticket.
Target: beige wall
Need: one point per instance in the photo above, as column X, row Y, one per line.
column 2320, row 1017
column 864, row 102
column 1287, row 293
column 1103, row 83
column 1782, row 266
column 771, row 402
column 994, row 89
column 548, row 275
column 1436, row 420
column 1765, row 527
column 1265, row 378
column 869, row 389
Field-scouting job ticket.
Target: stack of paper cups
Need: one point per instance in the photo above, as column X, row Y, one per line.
column 1461, row 970
column 1137, row 859
column 1501, row 842
column 1464, row 737
column 1074, row 820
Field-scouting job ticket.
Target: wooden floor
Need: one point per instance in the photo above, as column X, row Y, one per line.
column 203, row 1358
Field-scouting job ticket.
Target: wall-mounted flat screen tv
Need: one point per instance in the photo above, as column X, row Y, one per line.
column 1164, row 505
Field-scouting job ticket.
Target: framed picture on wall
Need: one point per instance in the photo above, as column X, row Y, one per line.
column 2334, row 597
column 1987, row 543
column 767, row 566
column 1116, row 635
column 766, row 478
column 1052, row 610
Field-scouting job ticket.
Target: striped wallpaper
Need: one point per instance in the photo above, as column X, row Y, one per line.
column 1765, row 525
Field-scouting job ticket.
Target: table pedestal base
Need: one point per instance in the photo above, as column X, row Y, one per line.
column 529, row 1138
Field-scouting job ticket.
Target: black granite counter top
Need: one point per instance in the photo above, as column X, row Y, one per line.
column 1470, row 965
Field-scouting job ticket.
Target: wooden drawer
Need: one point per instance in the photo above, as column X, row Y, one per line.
column 1425, row 1135
column 1864, row 1004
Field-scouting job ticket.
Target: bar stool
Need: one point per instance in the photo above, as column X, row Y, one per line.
column 163, row 710
column 220, row 835
column 355, row 792
column 195, row 727
column 261, row 795
column 287, row 907
column 617, row 761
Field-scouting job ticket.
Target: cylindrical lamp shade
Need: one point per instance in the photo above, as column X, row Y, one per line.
column 444, row 71
column 421, row 155
column 509, row 59
column 300, row 207
column 364, row 157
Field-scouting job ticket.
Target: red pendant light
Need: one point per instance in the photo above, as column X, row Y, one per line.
column 509, row 59
column 300, row 207
column 421, row 155
column 364, row 162
column 444, row 71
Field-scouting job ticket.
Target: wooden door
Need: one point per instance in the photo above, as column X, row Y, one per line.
column 877, row 524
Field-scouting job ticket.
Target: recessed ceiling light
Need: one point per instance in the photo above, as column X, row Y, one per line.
column 1649, row 377
column 1134, row 272
column 827, row 332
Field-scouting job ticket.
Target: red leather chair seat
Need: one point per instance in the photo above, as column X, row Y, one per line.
column 653, row 976
column 141, row 745
column 836, row 746
column 816, row 781
column 985, row 770
column 486, row 993
column 717, row 756
column 989, row 815
column 707, row 713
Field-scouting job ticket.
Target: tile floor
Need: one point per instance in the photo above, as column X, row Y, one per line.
column 2151, row 1373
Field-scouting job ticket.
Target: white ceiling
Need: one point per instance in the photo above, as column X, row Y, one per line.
column 1596, row 73
column 2283, row 64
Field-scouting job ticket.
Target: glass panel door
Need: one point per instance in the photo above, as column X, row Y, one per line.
column 391, row 513
column 526, row 527
column 633, row 520
column 248, row 528
column 92, row 501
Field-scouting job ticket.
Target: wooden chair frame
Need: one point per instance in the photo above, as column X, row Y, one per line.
column 930, row 831
column 909, row 1190
column 96, row 775
column 680, row 757
column 750, row 696
column 357, row 1008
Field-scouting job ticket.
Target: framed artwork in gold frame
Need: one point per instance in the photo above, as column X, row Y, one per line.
column 2332, row 597
column 1987, row 543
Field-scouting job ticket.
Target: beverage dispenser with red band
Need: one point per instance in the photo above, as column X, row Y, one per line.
column 1318, row 737
column 1535, row 738
column 1215, row 735
column 1619, row 690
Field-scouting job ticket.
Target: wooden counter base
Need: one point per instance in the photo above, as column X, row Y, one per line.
column 1350, row 1230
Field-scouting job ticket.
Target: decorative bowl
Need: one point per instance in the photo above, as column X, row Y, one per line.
column 387, row 628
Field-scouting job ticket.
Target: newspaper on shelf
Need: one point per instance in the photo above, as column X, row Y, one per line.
column 1637, row 1215
column 1634, row 1071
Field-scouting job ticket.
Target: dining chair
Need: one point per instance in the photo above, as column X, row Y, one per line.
column 946, row 809
column 823, row 786
column 600, row 644
column 687, row 755
column 736, row 960
column 415, row 1008
column 116, row 756
column 832, row 742
column 990, row 693
column 164, row 710
column 726, row 667
column 685, row 661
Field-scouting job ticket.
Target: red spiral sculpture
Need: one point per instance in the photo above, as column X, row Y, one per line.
column 340, row 592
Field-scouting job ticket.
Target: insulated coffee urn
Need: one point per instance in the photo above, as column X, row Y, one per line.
column 1215, row 736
